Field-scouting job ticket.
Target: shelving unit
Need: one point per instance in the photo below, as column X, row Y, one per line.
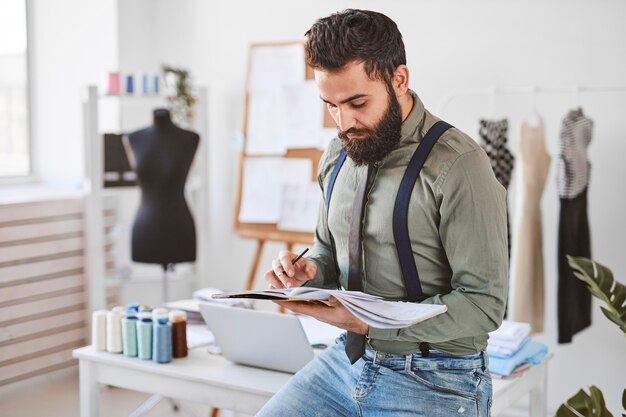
column 124, row 114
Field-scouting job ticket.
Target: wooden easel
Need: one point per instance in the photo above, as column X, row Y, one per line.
column 270, row 232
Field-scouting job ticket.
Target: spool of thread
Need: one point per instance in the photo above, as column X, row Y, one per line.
column 99, row 330
column 178, row 319
column 130, row 85
column 129, row 333
column 114, row 332
column 162, row 341
column 119, row 309
column 159, row 313
column 114, row 83
column 144, row 335
column 144, row 308
column 134, row 307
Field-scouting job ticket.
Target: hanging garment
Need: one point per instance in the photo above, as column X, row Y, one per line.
column 527, row 258
column 493, row 139
column 573, row 171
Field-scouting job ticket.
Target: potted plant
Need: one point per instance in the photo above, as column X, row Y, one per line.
column 601, row 284
column 180, row 97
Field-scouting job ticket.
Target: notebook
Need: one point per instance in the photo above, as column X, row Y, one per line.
column 258, row 338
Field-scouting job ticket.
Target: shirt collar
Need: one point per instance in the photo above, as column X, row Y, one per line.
column 414, row 120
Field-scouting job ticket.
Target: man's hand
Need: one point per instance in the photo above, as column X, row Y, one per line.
column 335, row 314
column 285, row 275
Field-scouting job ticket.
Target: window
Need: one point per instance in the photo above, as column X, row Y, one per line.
column 15, row 159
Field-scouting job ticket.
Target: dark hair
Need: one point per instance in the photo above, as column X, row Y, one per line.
column 356, row 35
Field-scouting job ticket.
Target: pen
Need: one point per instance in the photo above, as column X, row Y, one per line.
column 297, row 258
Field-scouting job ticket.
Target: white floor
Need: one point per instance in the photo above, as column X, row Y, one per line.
column 56, row 395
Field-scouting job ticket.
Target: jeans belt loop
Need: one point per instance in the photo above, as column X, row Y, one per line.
column 408, row 361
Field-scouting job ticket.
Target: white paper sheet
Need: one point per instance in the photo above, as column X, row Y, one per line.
column 300, row 205
column 262, row 189
column 303, row 115
column 285, row 117
column 276, row 66
column 265, row 119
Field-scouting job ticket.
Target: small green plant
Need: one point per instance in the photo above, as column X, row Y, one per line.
column 182, row 102
column 601, row 284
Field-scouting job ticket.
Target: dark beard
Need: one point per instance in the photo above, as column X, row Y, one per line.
column 378, row 142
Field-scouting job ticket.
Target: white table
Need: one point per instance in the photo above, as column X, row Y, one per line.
column 212, row 380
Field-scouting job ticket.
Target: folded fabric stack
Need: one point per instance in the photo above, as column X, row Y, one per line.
column 511, row 350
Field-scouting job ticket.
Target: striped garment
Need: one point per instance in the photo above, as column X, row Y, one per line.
column 573, row 167
column 493, row 139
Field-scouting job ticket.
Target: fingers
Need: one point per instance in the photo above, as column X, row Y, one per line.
column 272, row 280
column 285, row 257
column 333, row 302
column 310, row 268
column 281, row 275
column 284, row 274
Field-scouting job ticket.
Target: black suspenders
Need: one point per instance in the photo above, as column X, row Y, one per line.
column 401, row 207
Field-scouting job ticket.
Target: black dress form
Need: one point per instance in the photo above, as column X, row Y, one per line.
column 163, row 231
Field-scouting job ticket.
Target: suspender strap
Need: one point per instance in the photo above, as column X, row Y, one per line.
column 401, row 210
column 329, row 191
column 333, row 177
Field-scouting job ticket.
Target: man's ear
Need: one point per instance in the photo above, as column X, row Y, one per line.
column 400, row 80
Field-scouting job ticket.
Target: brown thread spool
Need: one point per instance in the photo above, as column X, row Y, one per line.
column 178, row 318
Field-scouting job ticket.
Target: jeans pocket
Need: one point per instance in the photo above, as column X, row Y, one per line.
column 460, row 382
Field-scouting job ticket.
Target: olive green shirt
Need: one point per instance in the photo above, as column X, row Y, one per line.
column 457, row 228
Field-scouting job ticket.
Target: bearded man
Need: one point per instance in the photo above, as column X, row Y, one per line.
column 412, row 211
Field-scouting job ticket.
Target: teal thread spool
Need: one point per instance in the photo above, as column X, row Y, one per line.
column 162, row 341
column 129, row 333
column 144, row 335
column 134, row 307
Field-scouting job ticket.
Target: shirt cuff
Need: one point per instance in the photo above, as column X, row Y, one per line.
column 383, row 334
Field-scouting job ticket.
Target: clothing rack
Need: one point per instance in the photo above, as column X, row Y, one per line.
column 531, row 91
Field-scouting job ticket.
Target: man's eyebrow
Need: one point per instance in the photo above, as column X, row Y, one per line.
column 354, row 97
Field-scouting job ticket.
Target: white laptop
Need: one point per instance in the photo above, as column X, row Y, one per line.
column 258, row 338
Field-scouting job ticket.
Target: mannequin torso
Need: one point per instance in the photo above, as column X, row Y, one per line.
column 163, row 231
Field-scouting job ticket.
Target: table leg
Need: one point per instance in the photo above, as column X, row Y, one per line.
column 538, row 395
column 89, row 390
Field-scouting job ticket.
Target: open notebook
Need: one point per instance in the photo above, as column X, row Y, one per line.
column 371, row 309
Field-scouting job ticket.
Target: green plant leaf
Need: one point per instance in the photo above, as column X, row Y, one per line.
column 600, row 281
column 585, row 405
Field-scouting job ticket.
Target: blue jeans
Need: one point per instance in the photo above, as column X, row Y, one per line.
column 382, row 384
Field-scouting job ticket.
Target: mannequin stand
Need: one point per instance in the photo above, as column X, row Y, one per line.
column 164, row 282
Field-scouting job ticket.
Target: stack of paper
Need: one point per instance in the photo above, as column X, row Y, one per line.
column 373, row 310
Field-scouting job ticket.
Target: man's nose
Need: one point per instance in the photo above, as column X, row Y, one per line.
column 345, row 120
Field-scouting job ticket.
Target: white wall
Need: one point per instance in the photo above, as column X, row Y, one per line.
column 75, row 44
column 450, row 44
